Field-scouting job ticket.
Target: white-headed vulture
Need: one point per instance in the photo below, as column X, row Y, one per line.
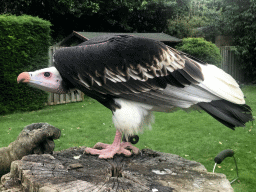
column 134, row 76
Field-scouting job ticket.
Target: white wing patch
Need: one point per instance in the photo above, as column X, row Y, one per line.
column 221, row 84
column 188, row 96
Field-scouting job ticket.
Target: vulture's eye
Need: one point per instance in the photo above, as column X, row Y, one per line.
column 47, row 74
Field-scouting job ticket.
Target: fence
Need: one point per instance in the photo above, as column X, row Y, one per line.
column 55, row 99
column 230, row 63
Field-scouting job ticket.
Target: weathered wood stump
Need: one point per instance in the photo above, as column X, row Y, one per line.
column 71, row 170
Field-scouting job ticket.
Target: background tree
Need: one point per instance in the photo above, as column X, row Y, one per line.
column 210, row 18
column 238, row 19
column 97, row 15
column 195, row 19
column 61, row 13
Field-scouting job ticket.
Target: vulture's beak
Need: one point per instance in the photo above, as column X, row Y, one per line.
column 23, row 77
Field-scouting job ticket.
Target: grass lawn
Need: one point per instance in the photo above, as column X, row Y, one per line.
column 195, row 136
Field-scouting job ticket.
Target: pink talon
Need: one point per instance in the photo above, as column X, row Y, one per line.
column 109, row 150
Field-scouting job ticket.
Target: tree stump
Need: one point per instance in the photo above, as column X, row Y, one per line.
column 71, row 170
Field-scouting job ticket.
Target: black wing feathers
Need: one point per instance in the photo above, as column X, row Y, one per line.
column 122, row 64
column 229, row 114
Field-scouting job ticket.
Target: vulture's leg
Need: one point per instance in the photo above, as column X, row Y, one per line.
column 116, row 147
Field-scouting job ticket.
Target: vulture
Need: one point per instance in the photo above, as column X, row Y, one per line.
column 133, row 77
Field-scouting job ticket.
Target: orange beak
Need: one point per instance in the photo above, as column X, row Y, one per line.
column 23, row 77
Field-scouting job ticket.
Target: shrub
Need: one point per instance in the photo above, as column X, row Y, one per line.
column 24, row 47
column 201, row 49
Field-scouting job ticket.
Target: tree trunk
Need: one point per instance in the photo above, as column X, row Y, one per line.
column 71, row 170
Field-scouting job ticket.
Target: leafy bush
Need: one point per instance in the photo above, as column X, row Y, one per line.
column 201, row 49
column 24, row 47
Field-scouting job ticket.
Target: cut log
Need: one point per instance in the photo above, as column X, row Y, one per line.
column 71, row 170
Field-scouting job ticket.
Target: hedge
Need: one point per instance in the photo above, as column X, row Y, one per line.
column 24, row 47
column 201, row 49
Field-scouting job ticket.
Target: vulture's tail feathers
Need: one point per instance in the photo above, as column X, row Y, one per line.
column 230, row 114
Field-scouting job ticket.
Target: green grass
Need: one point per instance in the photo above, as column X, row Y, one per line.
column 195, row 136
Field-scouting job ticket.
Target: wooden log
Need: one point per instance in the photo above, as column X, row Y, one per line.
column 71, row 170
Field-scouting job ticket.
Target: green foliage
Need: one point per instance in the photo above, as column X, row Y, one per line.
column 153, row 17
column 234, row 18
column 196, row 20
column 24, row 47
column 240, row 22
column 105, row 16
column 77, row 8
column 237, row 18
column 185, row 26
column 201, row 49
column 180, row 27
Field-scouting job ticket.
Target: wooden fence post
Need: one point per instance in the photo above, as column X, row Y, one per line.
column 230, row 63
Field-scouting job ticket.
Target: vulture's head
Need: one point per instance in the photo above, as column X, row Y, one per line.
column 47, row 79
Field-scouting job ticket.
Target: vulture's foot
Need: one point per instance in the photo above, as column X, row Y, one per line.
column 108, row 151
